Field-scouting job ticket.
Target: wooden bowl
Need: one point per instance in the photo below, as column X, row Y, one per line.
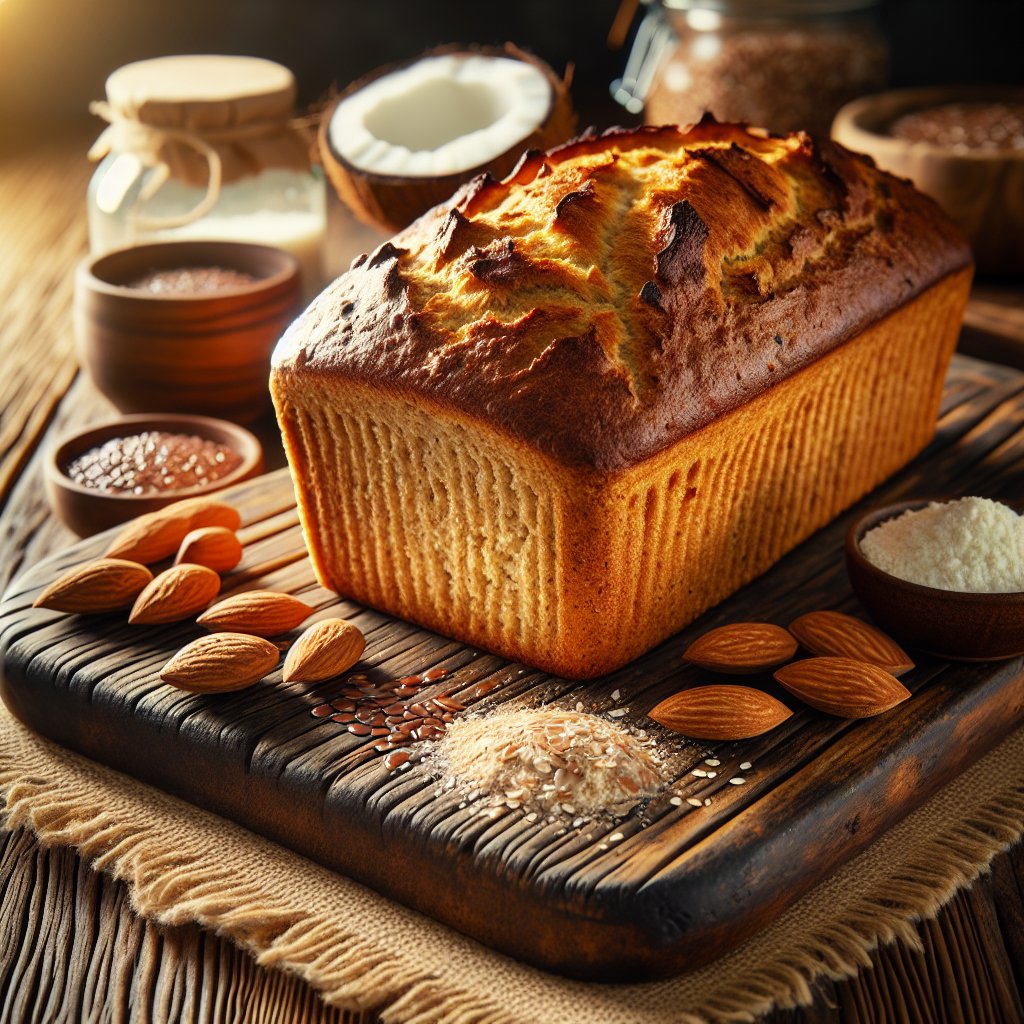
column 206, row 353
column 951, row 624
column 87, row 510
column 982, row 190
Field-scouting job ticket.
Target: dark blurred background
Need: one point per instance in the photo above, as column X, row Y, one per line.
column 56, row 54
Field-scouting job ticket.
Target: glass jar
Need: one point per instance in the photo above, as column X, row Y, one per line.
column 784, row 65
column 206, row 147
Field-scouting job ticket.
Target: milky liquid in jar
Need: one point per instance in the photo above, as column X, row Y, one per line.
column 207, row 147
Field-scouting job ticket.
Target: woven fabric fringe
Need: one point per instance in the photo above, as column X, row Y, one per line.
column 184, row 865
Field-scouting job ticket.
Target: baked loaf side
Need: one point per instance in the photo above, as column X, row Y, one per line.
column 562, row 418
column 619, row 293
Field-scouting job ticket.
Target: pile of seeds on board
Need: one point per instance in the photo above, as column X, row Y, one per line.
column 549, row 762
column 393, row 713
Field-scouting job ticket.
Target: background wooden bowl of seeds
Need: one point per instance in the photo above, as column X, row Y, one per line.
column 981, row 189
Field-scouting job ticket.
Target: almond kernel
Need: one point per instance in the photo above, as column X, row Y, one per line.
column 103, row 585
column 216, row 547
column 840, row 635
column 221, row 662
column 176, row 594
column 742, row 647
column 843, row 686
column 158, row 535
column 720, row 712
column 324, row 650
column 259, row 612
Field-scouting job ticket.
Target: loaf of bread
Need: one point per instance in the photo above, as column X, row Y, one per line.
column 563, row 415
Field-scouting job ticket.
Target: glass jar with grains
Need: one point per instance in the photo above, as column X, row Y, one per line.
column 206, row 147
column 784, row 65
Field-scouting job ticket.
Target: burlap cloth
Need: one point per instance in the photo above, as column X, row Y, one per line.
column 364, row 952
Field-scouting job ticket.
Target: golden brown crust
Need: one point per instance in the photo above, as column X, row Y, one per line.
column 624, row 290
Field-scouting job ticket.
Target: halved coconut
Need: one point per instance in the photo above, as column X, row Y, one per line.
column 405, row 137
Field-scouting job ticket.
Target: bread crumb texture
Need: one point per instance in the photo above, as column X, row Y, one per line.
column 973, row 545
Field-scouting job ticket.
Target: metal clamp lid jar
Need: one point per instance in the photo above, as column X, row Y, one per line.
column 206, row 147
column 786, row 65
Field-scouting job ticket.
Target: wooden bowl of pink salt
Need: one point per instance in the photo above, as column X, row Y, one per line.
column 114, row 471
column 944, row 576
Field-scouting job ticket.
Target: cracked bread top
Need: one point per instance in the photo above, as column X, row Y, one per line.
column 619, row 292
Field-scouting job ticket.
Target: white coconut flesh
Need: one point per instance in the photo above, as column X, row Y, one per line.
column 441, row 115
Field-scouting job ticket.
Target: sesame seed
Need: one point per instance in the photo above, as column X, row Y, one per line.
column 712, row 762
column 676, row 801
column 712, row 775
column 707, row 802
column 699, row 773
column 616, row 695
column 616, row 837
column 737, row 781
column 746, row 766
column 617, row 713
column 694, row 802
column 532, row 816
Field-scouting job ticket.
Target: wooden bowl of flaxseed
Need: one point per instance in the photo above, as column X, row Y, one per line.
column 112, row 472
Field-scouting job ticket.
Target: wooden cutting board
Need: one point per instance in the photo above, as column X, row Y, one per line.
column 684, row 885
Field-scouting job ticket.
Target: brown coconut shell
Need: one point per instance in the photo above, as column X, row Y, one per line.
column 392, row 202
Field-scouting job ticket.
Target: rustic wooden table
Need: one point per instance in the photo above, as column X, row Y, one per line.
column 71, row 949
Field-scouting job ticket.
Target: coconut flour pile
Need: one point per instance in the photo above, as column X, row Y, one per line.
column 973, row 545
column 561, row 764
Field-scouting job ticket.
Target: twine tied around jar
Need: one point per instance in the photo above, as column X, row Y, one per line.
column 210, row 155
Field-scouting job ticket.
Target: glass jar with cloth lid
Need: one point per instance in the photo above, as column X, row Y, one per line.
column 206, row 147
column 784, row 65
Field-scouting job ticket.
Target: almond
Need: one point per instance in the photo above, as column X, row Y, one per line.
column 843, row 686
column 833, row 633
column 324, row 650
column 216, row 547
column 742, row 647
column 221, row 662
column 176, row 594
column 103, row 585
column 721, row 712
column 159, row 534
column 260, row 612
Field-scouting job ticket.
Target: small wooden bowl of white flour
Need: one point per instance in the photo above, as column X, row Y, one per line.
column 944, row 576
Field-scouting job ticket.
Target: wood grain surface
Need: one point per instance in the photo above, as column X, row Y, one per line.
column 994, row 323
column 970, row 967
column 684, row 886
